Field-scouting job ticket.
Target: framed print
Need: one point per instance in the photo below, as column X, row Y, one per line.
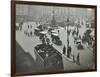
column 52, row 38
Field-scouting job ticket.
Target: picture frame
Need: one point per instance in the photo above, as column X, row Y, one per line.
column 45, row 13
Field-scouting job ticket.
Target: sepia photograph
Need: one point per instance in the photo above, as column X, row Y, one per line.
column 54, row 39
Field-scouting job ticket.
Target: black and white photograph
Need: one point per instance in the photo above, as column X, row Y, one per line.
column 51, row 39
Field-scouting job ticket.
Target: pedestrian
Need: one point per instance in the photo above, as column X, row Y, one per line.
column 67, row 52
column 80, row 37
column 77, row 33
column 64, row 50
column 73, row 58
column 58, row 31
column 28, row 26
column 73, row 32
column 75, row 39
column 31, row 33
column 67, row 41
column 69, row 49
column 78, row 58
column 48, row 41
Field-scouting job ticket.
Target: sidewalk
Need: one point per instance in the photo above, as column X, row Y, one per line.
column 27, row 43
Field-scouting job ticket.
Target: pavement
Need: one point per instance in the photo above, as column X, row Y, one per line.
column 24, row 62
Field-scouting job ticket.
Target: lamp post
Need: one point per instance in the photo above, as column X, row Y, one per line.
column 53, row 21
column 67, row 31
column 68, row 26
